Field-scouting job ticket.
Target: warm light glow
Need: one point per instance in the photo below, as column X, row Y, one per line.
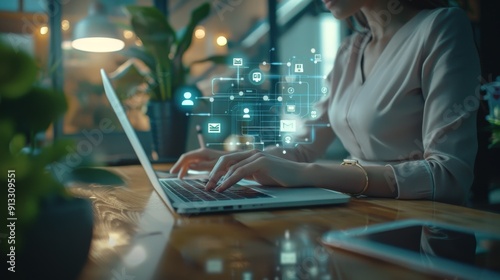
column 44, row 30
column 199, row 32
column 65, row 24
column 221, row 41
column 136, row 256
column 66, row 45
column 98, row 44
column 138, row 42
column 112, row 239
column 128, row 34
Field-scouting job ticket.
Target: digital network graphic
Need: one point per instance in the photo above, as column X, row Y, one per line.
column 253, row 108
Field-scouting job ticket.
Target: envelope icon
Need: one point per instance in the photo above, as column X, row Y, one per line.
column 288, row 126
column 237, row 61
column 213, row 127
column 290, row 108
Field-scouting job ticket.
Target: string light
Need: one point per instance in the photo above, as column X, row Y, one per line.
column 199, row 33
column 221, row 40
column 65, row 25
column 44, row 30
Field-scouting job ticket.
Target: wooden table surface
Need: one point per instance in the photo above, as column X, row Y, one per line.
column 136, row 237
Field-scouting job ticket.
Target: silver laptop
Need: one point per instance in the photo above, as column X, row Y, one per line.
column 188, row 196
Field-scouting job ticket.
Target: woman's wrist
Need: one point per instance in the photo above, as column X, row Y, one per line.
column 333, row 176
column 355, row 163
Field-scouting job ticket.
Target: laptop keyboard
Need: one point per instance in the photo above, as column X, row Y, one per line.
column 194, row 190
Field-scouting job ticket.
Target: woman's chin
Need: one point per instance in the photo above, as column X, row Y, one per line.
column 338, row 14
column 329, row 4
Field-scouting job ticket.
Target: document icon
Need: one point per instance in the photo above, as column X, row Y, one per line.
column 237, row 61
column 299, row 68
column 288, row 126
column 257, row 77
column 317, row 57
column 213, row 127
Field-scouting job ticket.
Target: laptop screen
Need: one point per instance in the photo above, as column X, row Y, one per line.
column 132, row 137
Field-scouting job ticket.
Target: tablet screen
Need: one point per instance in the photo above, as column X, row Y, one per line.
column 438, row 242
column 426, row 245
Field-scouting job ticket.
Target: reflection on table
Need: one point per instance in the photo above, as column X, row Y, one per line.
column 136, row 237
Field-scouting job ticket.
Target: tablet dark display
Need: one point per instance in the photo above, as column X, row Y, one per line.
column 432, row 242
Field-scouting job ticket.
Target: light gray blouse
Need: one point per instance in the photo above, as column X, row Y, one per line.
column 415, row 112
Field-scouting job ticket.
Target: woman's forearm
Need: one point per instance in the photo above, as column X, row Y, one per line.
column 350, row 179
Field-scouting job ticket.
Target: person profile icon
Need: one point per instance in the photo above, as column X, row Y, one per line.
column 187, row 101
column 246, row 114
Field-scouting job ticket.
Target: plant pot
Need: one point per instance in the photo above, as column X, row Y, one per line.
column 168, row 129
column 58, row 242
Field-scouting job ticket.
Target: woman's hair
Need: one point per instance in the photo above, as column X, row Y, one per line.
column 361, row 21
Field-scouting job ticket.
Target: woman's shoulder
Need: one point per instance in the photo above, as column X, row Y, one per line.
column 449, row 17
column 449, row 24
column 447, row 12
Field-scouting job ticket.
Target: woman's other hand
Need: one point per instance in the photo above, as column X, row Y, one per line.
column 202, row 159
column 256, row 165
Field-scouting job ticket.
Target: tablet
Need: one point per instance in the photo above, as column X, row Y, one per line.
column 428, row 246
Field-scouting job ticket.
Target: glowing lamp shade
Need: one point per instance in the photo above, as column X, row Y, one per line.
column 95, row 33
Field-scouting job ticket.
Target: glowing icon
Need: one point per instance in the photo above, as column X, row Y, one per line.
column 256, row 77
column 213, row 127
column 246, row 114
column 324, row 90
column 291, row 90
column 290, row 108
column 237, row 61
column 187, row 101
column 299, row 68
column 287, row 139
column 314, row 114
column 288, row 126
column 317, row 57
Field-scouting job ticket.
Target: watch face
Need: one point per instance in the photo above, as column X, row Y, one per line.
column 349, row 161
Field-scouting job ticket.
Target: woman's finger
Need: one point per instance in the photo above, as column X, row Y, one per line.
column 185, row 158
column 222, row 166
column 183, row 170
column 251, row 167
column 253, row 157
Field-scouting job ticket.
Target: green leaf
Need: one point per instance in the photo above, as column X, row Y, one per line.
column 141, row 54
column 217, row 59
column 17, row 72
column 128, row 77
column 17, row 143
column 35, row 110
column 197, row 16
column 150, row 25
column 157, row 37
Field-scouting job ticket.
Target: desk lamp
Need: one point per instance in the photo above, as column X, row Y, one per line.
column 96, row 33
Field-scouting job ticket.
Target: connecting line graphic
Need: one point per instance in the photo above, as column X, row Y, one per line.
column 240, row 106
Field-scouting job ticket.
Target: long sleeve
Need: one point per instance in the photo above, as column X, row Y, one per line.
column 449, row 84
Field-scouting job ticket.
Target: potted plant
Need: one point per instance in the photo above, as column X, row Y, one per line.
column 493, row 97
column 45, row 225
column 162, row 53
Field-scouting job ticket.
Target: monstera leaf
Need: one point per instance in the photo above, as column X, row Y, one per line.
column 166, row 47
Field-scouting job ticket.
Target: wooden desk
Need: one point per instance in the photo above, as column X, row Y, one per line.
column 136, row 237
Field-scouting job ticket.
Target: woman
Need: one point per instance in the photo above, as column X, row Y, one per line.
column 402, row 102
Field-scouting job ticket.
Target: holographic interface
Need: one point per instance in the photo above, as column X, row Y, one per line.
column 254, row 108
